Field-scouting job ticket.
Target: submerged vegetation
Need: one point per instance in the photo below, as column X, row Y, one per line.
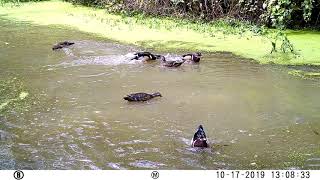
column 304, row 74
column 12, row 94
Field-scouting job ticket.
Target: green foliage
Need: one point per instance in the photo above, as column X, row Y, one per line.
column 17, row 2
column 275, row 13
column 251, row 10
column 278, row 12
column 289, row 13
column 176, row 2
column 280, row 38
column 307, row 6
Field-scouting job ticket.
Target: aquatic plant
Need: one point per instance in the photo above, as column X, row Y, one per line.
column 304, row 74
column 281, row 38
column 12, row 95
column 275, row 13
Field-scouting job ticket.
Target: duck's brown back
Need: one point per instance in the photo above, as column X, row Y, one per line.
column 138, row 97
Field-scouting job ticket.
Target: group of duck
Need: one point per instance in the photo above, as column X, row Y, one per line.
column 199, row 139
column 147, row 56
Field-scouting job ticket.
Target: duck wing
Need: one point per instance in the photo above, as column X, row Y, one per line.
column 169, row 63
column 142, row 53
column 138, row 97
column 67, row 43
column 55, row 47
column 61, row 45
column 177, row 64
column 187, row 55
column 144, row 56
column 173, row 63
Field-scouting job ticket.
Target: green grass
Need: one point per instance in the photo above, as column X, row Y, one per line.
column 162, row 33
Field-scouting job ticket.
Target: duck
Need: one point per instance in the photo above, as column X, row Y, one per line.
column 199, row 139
column 174, row 63
column 61, row 45
column 141, row 96
column 145, row 56
column 194, row 57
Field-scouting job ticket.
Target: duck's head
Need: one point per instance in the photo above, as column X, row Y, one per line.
column 152, row 57
column 199, row 138
column 162, row 58
column 198, row 54
column 156, row 94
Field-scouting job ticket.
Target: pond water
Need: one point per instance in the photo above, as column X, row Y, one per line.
column 74, row 117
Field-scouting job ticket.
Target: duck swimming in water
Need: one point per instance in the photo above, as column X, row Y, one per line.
column 200, row 139
column 173, row 63
column 141, row 96
column 194, row 57
column 61, row 45
column 144, row 56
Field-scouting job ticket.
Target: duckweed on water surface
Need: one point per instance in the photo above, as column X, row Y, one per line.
column 12, row 95
column 160, row 33
column 74, row 116
column 304, row 74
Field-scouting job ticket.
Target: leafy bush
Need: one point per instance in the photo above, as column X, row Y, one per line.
column 273, row 13
column 282, row 39
column 307, row 6
column 290, row 13
column 278, row 12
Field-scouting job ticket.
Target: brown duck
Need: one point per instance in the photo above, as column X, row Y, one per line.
column 175, row 63
column 200, row 139
column 61, row 45
column 194, row 57
column 145, row 56
column 141, row 96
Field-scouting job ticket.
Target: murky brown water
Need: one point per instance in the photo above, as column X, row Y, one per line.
column 255, row 116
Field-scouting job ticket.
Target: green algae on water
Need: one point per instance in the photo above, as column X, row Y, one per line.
column 4, row 104
column 23, row 95
column 12, row 94
column 167, row 33
column 304, row 74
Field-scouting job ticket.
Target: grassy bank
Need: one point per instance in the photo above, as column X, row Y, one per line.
column 169, row 34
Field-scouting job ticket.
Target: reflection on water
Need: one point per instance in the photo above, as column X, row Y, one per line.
column 255, row 116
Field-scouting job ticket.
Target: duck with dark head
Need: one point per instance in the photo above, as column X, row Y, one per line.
column 61, row 45
column 200, row 139
column 141, row 96
column 193, row 57
column 145, row 56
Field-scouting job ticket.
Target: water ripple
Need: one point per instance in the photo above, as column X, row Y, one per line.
column 146, row 164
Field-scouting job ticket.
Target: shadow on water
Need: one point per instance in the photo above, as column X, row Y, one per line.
column 255, row 116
